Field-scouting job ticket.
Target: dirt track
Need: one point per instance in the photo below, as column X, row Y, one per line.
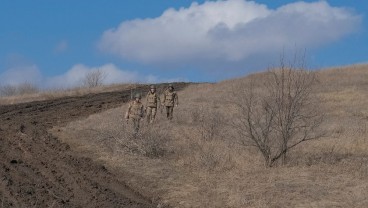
column 38, row 170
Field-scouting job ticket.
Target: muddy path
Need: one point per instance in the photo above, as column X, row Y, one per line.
column 38, row 170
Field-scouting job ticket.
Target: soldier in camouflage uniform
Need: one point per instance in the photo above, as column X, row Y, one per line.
column 135, row 112
column 152, row 103
column 170, row 100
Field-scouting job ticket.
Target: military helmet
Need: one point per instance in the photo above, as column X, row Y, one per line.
column 137, row 96
column 152, row 87
column 171, row 85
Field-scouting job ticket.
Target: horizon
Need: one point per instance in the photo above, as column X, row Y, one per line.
column 55, row 44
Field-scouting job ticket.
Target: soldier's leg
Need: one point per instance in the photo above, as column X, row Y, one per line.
column 149, row 114
column 135, row 126
column 167, row 111
column 171, row 111
column 153, row 114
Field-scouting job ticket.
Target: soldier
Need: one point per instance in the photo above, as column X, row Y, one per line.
column 135, row 112
column 170, row 100
column 152, row 103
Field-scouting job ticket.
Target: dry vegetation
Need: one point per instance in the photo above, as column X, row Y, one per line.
column 94, row 78
column 29, row 93
column 18, row 90
column 198, row 160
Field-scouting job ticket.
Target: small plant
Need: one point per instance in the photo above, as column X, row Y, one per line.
column 208, row 121
column 154, row 142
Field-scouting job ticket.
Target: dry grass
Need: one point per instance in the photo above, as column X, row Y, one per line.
column 197, row 160
column 52, row 94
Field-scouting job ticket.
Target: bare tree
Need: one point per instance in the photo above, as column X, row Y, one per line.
column 27, row 88
column 94, row 78
column 19, row 89
column 279, row 114
column 8, row 90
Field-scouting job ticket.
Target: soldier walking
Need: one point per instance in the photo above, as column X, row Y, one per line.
column 170, row 100
column 152, row 103
column 135, row 112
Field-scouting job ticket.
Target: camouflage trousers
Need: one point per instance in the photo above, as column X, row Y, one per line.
column 151, row 114
column 135, row 122
column 169, row 112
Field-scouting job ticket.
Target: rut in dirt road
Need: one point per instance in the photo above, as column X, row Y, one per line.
column 38, row 170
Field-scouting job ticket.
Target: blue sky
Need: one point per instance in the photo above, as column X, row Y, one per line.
column 55, row 43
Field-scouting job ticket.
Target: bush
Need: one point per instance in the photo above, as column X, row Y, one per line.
column 19, row 89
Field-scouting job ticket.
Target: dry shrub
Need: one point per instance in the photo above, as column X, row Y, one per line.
column 117, row 138
column 209, row 122
column 323, row 157
column 154, row 141
column 8, row 90
column 213, row 156
column 196, row 115
column 19, row 89
column 204, row 145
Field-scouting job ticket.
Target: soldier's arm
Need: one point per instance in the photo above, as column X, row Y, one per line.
column 142, row 111
column 163, row 100
column 147, row 99
column 176, row 99
column 158, row 100
column 128, row 111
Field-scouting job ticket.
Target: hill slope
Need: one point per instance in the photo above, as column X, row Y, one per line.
column 38, row 170
column 198, row 160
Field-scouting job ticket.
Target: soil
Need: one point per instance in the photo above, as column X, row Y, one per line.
column 39, row 170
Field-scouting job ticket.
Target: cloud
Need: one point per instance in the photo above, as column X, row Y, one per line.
column 74, row 77
column 112, row 74
column 62, row 46
column 21, row 74
column 231, row 31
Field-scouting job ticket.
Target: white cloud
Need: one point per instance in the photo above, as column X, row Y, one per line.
column 21, row 74
column 112, row 74
column 75, row 76
column 228, row 31
column 62, row 46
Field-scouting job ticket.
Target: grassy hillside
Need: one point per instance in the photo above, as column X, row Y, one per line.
column 197, row 160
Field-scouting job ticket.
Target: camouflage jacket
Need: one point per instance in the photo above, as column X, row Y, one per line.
column 152, row 99
column 135, row 110
column 170, row 98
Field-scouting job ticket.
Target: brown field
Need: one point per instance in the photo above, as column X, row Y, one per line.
column 197, row 160
column 54, row 94
column 39, row 170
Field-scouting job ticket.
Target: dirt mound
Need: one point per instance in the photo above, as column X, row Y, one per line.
column 38, row 170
